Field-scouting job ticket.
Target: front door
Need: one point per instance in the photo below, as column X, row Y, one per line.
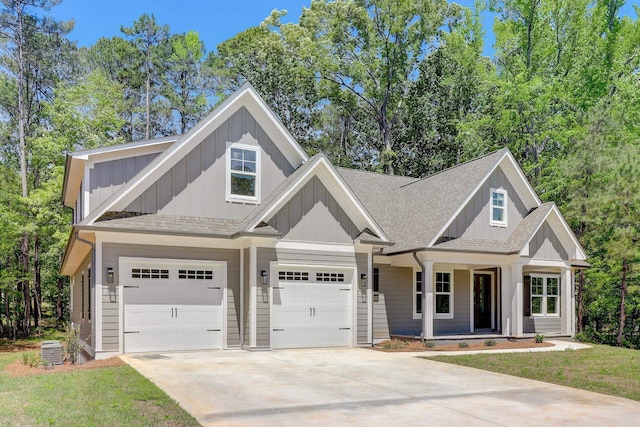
column 482, row 301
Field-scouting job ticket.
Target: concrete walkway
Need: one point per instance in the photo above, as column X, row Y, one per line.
column 361, row 387
column 557, row 346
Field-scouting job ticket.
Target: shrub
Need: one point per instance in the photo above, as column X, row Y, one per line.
column 31, row 359
column 490, row 343
column 71, row 343
column 429, row 344
column 539, row 338
column 463, row 344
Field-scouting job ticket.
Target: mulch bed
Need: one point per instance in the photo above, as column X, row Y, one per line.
column 414, row 345
column 18, row 369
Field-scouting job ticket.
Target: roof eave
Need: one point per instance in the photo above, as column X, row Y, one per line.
column 148, row 231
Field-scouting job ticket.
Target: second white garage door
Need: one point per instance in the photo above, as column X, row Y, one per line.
column 169, row 306
column 312, row 308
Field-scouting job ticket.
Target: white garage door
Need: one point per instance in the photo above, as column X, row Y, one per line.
column 172, row 306
column 312, row 308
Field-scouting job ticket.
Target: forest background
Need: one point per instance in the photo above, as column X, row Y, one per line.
column 398, row 87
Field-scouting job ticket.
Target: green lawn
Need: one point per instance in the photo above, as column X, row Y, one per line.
column 114, row 396
column 603, row 369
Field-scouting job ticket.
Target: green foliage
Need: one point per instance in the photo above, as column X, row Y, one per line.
column 539, row 338
column 112, row 396
column 71, row 343
column 429, row 344
column 463, row 344
column 31, row 359
column 603, row 369
column 490, row 343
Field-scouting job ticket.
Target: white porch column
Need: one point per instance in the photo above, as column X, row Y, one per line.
column 566, row 298
column 253, row 287
column 517, row 300
column 427, row 300
column 506, row 292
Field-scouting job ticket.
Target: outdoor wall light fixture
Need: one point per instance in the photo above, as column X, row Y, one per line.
column 109, row 274
column 363, row 280
column 263, row 275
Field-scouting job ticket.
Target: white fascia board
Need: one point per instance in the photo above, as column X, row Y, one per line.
column 275, row 129
column 84, row 154
column 465, row 202
column 245, row 96
column 347, row 201
column 562, row 231
column 521, row 185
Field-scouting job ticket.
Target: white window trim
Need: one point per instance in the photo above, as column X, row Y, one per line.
column 238, row 198
column 451, row 297
column 414, row 294
column 492, row 222
column 544, row 278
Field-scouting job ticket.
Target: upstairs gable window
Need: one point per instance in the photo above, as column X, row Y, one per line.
column 498, row 207
column 243, row 178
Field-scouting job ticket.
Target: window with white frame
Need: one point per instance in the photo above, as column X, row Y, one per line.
column 243, row 175
column 498, row 207
column 417, row 295
column 545, row 295
column 443, row 298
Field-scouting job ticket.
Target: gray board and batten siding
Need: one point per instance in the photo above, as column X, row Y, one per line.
column 196, row 185
column 105, row 178
column 314, row 215
column 111, row 253
column 545, row 245
column 474, row 220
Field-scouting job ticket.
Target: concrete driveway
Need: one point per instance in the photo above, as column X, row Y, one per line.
column 361, row 387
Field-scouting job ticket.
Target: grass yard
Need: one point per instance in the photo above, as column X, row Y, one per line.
column 604, row 369
column 111, row 396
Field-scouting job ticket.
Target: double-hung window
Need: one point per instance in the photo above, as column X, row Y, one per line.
column 498, row 207
column 243, row 175
column 417, row 295
column 545, row 295
column 443, row 295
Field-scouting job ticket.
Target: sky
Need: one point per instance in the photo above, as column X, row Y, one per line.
column 214, row 20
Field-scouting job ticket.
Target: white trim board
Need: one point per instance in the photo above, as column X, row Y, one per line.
column 336, row 187
column 246, row 97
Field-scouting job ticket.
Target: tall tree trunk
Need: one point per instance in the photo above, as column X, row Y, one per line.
column 59, row 303
column 2, row 331
column 580, row 301
column 23, row 285
column 148, row 105
column 623, row 293
column 37, row 283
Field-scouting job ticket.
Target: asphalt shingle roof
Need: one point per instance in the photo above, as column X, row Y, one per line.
column 175, row 224
column 413, row 211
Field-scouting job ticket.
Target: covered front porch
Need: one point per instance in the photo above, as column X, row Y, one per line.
column 468, row 296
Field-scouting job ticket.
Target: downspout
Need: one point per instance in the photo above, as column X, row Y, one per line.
column 424, row 294
column 93, row 269
column 93, row 255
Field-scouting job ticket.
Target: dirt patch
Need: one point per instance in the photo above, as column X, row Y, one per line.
column 414, row 345
column 10, row 346
column 18, row 369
